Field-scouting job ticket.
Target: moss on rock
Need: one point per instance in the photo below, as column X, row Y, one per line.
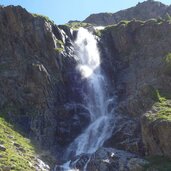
column 77, row 25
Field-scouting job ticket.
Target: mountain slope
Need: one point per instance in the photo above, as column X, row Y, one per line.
column 16, row 152
column 40, row 86
column 142, row 11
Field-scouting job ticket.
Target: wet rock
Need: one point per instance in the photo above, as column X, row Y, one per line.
column 108, row 159
column 40, row 165
column 76, row 120
column 126, row 135
column 80, row 161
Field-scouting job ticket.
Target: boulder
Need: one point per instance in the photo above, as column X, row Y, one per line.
column 108, row 159
column 156, row 131
column 2, row 148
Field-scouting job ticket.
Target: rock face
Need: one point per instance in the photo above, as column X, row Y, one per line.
column 41, row 89
column 138, row 54
column 108, row 159
column 38, row 78
column 142, row 11
column 156, row 126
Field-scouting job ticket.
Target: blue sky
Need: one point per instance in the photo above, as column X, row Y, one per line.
column 61, row 11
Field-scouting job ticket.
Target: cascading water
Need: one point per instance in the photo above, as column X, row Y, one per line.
column 96, row 100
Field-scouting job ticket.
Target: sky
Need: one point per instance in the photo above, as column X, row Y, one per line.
column 61, row 11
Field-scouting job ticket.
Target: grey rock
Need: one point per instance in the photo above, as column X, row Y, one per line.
column 156, row 133
column 2, row 148
column 135, row 56
column 108, row 159
column 6, row 168
column 16, row 144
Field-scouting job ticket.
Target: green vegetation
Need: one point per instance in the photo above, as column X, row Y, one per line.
column 60, row 46
column 77, row 25
column 124, row 22
column 160, row 20
column 59, row 50
column 44, row 17
column 108, row 28
column 121, row 23
column 162, row 106
column 19, row 152
column 59, row 43
column 160, row 98
column 98, row 33
column 167, row 62
column 168, row 18
column 168, row 59
column 158, row 163
column 153, row 93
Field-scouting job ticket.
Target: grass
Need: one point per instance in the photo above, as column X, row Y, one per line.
column 19, row 154
column 59, row 50
column 158, row 163
column 168, row 58
column 162, row 106
column 60, row 46
column 98, row 33
column 124, row 22
column 44, row 17
column 164, row 110
column 77, row 25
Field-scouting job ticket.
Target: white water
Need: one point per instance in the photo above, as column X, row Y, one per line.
column 95, row 98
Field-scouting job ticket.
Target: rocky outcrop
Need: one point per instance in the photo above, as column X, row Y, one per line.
column 40, row 88
column 39, row 82
column 136, row 54
column 142, row 11
column 156, row 126
column 108, row 159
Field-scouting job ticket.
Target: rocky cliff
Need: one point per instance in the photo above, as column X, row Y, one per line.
column 40, row 87
column 142, row 11
column 38, row 78
column 139, row 55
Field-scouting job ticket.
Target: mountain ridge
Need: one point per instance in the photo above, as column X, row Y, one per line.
column 142, row 11
column 40, row 88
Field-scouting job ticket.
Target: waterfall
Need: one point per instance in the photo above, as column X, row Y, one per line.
column 95, row 98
